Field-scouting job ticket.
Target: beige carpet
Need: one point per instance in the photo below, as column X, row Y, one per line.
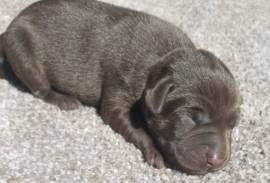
column 39, row 143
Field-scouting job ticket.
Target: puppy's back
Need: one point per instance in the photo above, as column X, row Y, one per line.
column 80, row 42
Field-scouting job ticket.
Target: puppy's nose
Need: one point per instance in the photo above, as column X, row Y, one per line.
column 214, row 161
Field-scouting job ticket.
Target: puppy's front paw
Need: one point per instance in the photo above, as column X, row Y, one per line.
column 64, row 102
column 153, row 157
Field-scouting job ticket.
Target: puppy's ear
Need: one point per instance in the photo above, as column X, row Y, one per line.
column 213, row 60
column 158, row 87
column 208, row 54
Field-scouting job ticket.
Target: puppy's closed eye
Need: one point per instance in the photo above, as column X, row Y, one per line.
column 200, row 117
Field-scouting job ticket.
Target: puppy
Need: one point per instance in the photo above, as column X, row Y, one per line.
column 176, row 103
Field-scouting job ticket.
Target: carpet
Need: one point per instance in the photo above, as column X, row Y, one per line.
column 40, row 143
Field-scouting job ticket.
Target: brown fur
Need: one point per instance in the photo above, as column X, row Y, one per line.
column 147, row 79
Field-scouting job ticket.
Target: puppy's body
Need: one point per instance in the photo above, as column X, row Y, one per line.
column 80, row 44
column 121, row 61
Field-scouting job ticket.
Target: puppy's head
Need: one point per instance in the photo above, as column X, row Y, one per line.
column 191, row 104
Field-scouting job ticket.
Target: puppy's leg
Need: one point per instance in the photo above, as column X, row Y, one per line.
column 115, row 110
column 22, row 58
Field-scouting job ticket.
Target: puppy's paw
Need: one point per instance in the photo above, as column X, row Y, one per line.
column 68, row 103
column 153, row 157
column 64, row 102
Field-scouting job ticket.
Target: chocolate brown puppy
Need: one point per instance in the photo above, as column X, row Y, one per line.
column 174, row 102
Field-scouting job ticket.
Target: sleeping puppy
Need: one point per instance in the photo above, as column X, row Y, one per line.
column 176, row 103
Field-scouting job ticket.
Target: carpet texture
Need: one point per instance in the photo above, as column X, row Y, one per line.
column 40, row 143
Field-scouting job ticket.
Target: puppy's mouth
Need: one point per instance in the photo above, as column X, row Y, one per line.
column 196, row 169
column 194, row 162
column 208, row 169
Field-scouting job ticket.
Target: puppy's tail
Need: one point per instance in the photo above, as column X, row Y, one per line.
column 2, row 58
